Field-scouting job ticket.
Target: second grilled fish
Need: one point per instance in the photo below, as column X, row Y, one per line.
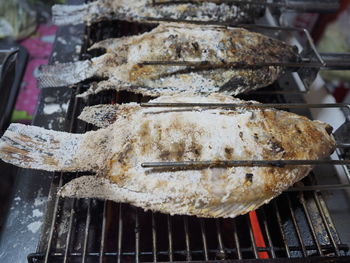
column 217, row 46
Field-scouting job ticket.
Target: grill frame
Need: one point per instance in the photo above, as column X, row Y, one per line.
column 55, row 206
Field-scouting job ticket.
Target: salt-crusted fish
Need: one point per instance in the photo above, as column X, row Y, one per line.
column 144, row 11
column 122, row 69
column 132, row 135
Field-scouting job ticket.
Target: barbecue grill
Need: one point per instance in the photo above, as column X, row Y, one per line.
column 297, row 226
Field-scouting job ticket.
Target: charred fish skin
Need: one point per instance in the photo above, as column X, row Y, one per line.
column 122, row 69
column 139, row 135
column 145, row 11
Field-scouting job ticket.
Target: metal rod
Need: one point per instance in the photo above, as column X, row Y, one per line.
column 241, row 163
column 199, row 252
column 305, row 7
column 207, row 65
column 154, row 238
column 69, row 234
column 252, row 239
column 120, row 233
column 318, row 187
column 219, row 236
column 102, row 244
column 204, row 239
column 235, row 236
column 280, row 227
column 309, row 221
column 296, row 227
column 267, row 231
column 187, row 239
column 246, row 105
column 343, row 145
column 326, row 223
column 53, row 222
column 137, row 236
column 170, row 238
column 86, row 232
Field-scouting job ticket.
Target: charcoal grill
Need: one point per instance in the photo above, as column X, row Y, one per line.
column 295, row 227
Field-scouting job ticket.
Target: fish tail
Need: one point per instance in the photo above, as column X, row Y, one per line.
column 38, row 148
column 65, row 74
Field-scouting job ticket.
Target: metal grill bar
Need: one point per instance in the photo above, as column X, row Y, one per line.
column 311, row 226
column 204, row 239
column 53, row 223
column 237, row 244
column 86, row 232
column 120, row 233
column 170, row 239
column 70, row 226
column 102, row 243
column 154, row 238
column 137, row 236
column 319, row 187
column 296, row 227
column 280, row 227
column 187, row 239
column 251, row 235
column 326, row 223
column 268, row 235
column 222, row 253
column 242, row 163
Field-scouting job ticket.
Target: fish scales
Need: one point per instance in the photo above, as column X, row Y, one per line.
column 140, row 135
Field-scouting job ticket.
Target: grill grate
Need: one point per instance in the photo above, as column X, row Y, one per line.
column 295, row 225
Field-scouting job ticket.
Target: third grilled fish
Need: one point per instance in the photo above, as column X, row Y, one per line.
column 144, row 10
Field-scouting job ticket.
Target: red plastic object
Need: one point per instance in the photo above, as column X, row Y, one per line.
column 258, row 236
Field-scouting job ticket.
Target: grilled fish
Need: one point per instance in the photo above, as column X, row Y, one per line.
column 211, row 47
column 145, row 11
column 131, row 135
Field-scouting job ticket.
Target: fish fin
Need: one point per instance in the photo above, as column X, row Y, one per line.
column 110, row 43
column 98, row 187
column 38, row 148
column 100, row 115
column 77, row 14
column 65, row 74
column 117, row 85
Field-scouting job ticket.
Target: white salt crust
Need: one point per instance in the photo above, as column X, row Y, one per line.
column 169, row 134
column 142, row 10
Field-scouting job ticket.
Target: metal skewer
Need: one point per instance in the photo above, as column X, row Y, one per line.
column 245, row 105
column 305, row 6
column 241, row 163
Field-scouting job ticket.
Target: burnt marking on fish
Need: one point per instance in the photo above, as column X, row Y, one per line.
column 196, row 148
column 145, row 136
column 164, row 155
column 249, row 178
column 177, row 150
column 256, row 137
column 297, row 129
column 276, row 146
column 228, row 153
